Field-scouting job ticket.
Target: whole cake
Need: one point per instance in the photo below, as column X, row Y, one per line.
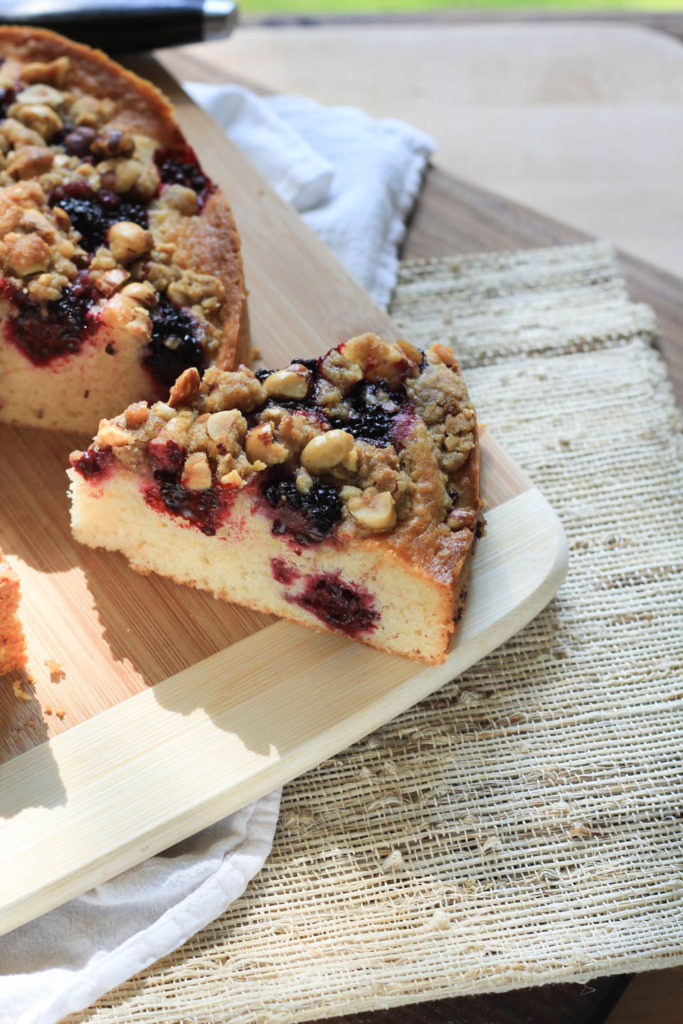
column 120, row 262
column 340, row 492
column 12, row 642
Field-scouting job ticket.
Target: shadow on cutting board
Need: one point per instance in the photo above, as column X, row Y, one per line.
column 34, row 510
column 155, row 626
column 22, row 726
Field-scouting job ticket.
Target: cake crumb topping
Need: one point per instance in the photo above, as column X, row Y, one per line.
column 87, row 197
column 376, row 433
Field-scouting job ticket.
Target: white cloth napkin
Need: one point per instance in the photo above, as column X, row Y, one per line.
column 65, row 960
column 354, row 179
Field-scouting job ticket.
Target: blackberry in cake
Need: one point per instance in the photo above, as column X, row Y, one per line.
column 341, row 492
column 119, row 257
column 12, row 642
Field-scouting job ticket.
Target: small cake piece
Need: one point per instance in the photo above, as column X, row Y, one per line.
column 119, row 258
column 12, row 642
column 340, row 492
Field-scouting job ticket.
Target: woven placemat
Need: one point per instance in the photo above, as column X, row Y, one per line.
column 522, row 825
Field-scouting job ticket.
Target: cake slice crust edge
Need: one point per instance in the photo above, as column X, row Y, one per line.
column 12, row 639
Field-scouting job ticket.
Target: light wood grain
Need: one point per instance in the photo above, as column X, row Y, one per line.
column 175, row 758
column 178, row 708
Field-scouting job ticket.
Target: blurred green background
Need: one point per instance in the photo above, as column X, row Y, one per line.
column 384, row 6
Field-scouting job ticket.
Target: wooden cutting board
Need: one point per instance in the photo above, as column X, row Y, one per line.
column 174, row 709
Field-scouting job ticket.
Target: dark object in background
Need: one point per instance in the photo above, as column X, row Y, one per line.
column 126, row 25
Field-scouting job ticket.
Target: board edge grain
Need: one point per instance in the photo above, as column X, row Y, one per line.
column 157, row 767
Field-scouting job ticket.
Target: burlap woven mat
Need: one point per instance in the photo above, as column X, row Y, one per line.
column 521, row 826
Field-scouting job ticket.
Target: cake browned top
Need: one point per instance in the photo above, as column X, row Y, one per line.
column 374, row 440
column 101, row 198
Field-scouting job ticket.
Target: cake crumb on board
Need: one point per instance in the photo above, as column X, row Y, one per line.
column 56, row 669
column 19, row 691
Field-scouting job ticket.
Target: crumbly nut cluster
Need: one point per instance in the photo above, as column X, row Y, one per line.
column 53, row 135
column 442, row 400
column 38, row 247
column 233, row 425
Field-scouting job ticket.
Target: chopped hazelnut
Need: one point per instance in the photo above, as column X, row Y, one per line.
column 26, row 254
column 88, row 111
column 136, row 414
column 62, row 219
column 34, row 220
column 289, row 383
column 39, row 117
column 108, row 282
column 119, row 174
column 148, row 182
column 141, row 292
column 178, row 295
column 326, row 450
column 196, row 472
column 111, row 435
column 304, row 481
column 260, row 446
column 185, row 388
column 54, row 71
column 128, row 241
column 30, row 161
column 41, row 93
column 350, row 461
column 163, row 411
column 221, row 424
column 349, row 491
column 14, row 134
column 233, row 479
column 375, row 513
column 78, row 141
column 120, row 311
column 180, row 198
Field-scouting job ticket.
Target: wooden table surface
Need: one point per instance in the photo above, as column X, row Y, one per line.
column 580, row 122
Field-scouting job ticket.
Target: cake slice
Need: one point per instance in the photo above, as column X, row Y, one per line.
column 12, row 642
column 119, row 258
column 340, row 492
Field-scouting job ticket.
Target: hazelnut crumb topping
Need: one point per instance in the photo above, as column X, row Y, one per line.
column 83, row 199
column 384, row 428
